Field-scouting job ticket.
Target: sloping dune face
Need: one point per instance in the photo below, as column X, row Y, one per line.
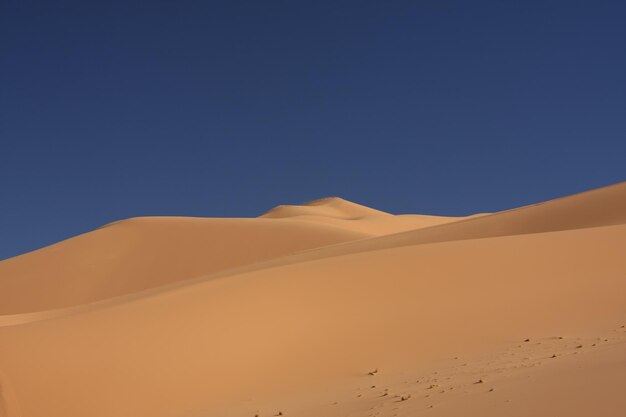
column 601, row 207
column 143, row 253
column 516, row 313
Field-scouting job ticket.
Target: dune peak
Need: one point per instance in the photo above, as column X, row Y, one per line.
column 327, row 201
column 331, row 207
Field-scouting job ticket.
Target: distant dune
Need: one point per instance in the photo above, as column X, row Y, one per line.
column 330, row 309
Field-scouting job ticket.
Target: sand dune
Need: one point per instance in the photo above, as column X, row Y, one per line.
column 351, row 311
column 141, row 253
column 600, row 207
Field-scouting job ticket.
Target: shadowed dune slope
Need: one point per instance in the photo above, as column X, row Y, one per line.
column 142, row 253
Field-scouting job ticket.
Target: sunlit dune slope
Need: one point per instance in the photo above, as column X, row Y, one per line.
column 600, row 207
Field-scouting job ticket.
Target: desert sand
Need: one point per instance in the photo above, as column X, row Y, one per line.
column 330, row 309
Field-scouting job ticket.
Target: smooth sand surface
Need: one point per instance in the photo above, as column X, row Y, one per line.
column 325, row 309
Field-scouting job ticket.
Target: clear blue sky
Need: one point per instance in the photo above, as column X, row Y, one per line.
column 113, row 109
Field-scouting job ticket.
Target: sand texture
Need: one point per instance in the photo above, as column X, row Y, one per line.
column 329, row 309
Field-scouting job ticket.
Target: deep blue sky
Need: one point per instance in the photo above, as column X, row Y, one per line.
column 113, row 109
